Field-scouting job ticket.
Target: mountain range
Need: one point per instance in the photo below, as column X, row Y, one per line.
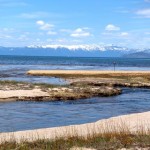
column 76, row 51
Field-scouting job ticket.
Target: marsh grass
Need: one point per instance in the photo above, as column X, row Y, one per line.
column 10, row 82
column 89, row 73
column 28, row 85
column 111, row 139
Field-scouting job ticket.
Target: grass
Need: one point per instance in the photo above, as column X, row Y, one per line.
column 46, row 85
column 3, row 82
column 22, row 84
column 107, row 136
column 75, row 93
column 105, row 141
column 113, row 134
column 57, row 92
column 88, row 73
column 120, row 78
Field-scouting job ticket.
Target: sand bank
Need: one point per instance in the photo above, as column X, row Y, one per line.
column 55, row 94
column 13, row 95
column 86, row 73
column 134, row 123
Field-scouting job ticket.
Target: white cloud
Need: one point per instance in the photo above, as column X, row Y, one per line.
column 124, row 34
column 5, row 36
column 51, row 33
column 8, row 36
column 40, row 22
column 23, row 37
column 111, row 27
column 65, row 30
column 115, row 35
column 44, row 26
column 147, row 33
column 147, row 1
column 34, row 15
column 144, row 13
column 62, row 40
column 10, row 3
column 123, row 11
column 80, row 32
column 6, row 33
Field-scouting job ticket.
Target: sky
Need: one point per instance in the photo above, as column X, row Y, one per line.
column 75, row 22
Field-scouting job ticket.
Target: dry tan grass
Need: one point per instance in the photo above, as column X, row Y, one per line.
column 89, row 73
column 84, row 72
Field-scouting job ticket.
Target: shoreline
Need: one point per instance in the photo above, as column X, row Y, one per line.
column 57, row 94
column 132, row 122
column 21, row 91
column 82, row 84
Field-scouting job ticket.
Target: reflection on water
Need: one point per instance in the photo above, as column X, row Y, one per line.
column 33, row 115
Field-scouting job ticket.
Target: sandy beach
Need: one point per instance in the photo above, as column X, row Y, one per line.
column 133, row 123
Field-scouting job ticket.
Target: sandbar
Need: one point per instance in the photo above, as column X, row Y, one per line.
column 86, row 72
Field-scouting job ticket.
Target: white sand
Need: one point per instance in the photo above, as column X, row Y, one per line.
column 133, row 122
column 9, row 94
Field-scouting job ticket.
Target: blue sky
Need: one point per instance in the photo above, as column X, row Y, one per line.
column 75, row 22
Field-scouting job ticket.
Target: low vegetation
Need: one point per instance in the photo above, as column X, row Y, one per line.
column 82, row 88
column 80, row 92
column 105, row 141
column 106, row 84
column 138, row 79
column 87, row 73
column 19, row 85
column 56, row 92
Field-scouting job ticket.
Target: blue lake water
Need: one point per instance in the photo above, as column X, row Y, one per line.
column 15, row 67
column 16, row 116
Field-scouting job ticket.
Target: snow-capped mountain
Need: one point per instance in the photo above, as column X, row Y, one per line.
column 70, row 50
column 81, row 47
